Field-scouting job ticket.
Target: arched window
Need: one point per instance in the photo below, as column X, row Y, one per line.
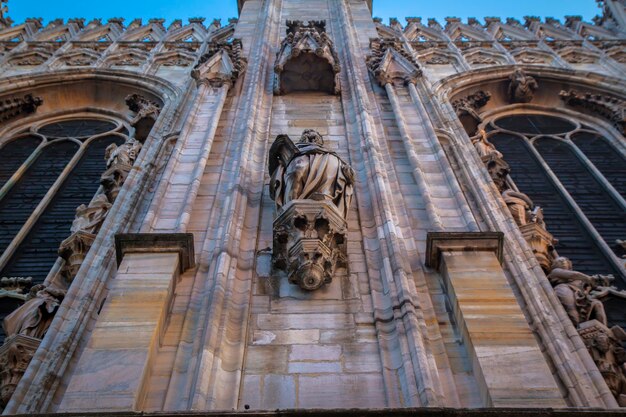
column 46, row 172
column 577, row 175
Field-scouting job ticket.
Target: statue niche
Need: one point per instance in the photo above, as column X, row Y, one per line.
column 307, row 60
column 312, row 187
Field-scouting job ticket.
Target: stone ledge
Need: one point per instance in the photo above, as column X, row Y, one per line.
column 399, row 412
column 436, row 242
column 181, row 243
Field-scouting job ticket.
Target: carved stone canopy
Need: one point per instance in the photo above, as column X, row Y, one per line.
column 307, row 60
column 390, row 62
column 221, row 64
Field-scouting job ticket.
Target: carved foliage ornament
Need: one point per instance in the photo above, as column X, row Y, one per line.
column 222, row 64
column 609, row 108
column 307, row 60
column 390, row 62
column 469, row 104
column 312, row 187
column 16, row 106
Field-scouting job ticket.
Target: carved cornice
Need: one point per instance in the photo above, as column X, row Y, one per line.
column 609, row 108
column 309, row 38
column 390, row 62
column 221, row 64
column 13, row 107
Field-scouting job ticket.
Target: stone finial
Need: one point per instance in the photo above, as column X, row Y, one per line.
column 233, row 20
column 80, row 22
column 222, row 64
column 513, row 21
column 306, row 49
column 522, row 87
column 553, row 21
column 529, row 20
column 216, row 24
column 176, row 24
column 157, row 22
column 490, row 20
column 196, row 20
column 417, row 20
column 312, row 188
column 570, row 21
column 432, row 23
column 390, row 62
column 377, row 19
column 472, row 21
column 134, row 24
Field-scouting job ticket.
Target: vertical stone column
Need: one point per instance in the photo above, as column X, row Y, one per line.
column 113, row 368
column 506, row 359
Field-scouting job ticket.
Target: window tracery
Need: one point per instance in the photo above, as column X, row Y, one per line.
column 47, row 172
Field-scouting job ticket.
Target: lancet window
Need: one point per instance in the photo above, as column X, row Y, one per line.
column 576, row 174
column 46, row 172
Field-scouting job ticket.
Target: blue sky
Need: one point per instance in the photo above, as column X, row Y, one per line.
column 168, row 9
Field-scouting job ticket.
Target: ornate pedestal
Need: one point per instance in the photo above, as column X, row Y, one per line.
column 15, row 355
column 309, row 242
column 541, row 242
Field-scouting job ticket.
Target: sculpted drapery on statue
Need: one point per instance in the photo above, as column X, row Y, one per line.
column 312, row 187
column 309, row 171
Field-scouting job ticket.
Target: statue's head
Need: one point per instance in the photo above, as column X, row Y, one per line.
column 562, row 262
column 603, row 342
column 312, row 136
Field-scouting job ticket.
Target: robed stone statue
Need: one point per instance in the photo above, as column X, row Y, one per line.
column 312, row 187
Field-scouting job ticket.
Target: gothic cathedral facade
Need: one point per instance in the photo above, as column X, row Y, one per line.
column 307, row 208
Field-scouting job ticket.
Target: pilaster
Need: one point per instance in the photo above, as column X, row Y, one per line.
column 113, row 369
column 506, row 359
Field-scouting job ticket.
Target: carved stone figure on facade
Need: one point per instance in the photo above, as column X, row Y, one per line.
column 89, row 218
column 147, row 114
column 312, row 187
column 486, row 150
column 309, row 171
column 520, row 206
column 120, row 160
column 578, row 292
column 34, row 317
column 606, row 348
column 522, row 87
